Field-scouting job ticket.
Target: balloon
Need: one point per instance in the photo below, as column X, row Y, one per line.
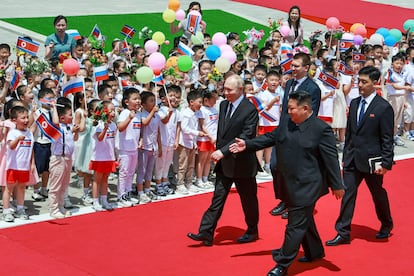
column 174, row 5
column 156, row 61
column 167, row 42
column 219, row 39
column 70, row 66
column 284, row 30
column 348, row 36
column 144, row 74
column 185, row 63
column 354, row 26
column 171, row 62
column 180, row 15
column 222, row 65
column 409, row 24
column 390, row 41
column 383, row 31
column 151, row 46
column 213, row 52
column 198, row 38
column 332, row 23
column 168, row 16
column 159, row 37
column 376, row 39
column 358, row 40
column 396, row 34
column 225, row 48
column 361, row 30
column 230, row 56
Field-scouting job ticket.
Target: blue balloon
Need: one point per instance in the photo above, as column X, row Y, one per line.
column 383, row 31
column 213, row 52
column 390, row 41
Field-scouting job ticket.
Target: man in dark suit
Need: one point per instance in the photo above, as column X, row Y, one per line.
column 238, row 117
column 307, row 159
column 300, row 81
column 368, row 154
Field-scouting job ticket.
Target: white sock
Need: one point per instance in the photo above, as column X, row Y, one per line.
column 104, row 199
column 146, row 190
column 19, row 207
column 205, row 179
column 85, row 191
column 95, row 201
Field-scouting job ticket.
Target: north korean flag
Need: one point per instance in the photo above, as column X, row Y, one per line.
column 27, row 46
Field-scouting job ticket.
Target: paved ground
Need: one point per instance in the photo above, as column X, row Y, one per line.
column 9, row 33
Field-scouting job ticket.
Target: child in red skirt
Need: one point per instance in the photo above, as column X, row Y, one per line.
column 103, row 154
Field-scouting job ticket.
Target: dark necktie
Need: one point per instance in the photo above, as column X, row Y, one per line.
column 228, row 114
column 361, row 111
column 292, row 87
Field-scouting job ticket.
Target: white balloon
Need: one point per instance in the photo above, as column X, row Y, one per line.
column 376, row 39
column 348, row 36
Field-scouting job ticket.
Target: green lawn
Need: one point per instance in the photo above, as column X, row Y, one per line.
column 110, row 25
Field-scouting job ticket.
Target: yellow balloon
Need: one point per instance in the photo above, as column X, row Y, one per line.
column 158, row 37
column 355, row 26
column 168, row 16
column 222, row 65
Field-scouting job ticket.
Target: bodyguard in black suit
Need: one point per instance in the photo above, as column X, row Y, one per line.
column 368, row 154
column 300, row 81
column 307, row 159
column 238, row 117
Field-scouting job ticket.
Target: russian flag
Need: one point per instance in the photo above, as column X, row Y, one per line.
column 390, row 79
column 128, row 31
column 74, row 33
column 328, row 80
column 285, row 49
column 358, row 57
column 192, row 23
column 257, row 103
column 14, row 83
column 100, row 73
column 268, row 116
column 27, row 46
column 46, row 101
column 286, row 66
column 345, row 44
column 96, row 32
column 47, row 127
column 185, row 50
column 345, row 69
column 73, row 86
column 158, row 78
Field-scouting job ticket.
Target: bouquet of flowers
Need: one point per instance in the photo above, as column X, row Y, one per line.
column 240, row 49
column 145, row 33
column 96, row 57
column 96, row 43
column 274, row 25
column 300, row 49
column 253, row 36
column 35, row 65
column 101, row 114
column 215, row 75
column 171, row 72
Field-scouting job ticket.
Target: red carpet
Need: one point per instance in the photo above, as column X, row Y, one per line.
column 348, row 12
column 151, row 239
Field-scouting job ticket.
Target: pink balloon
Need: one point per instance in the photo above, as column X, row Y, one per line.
column 219, row 39
column 70, row 66
column 151, row 46
column 167, row 42
column 230, row 56
column 361, row 30
column 332, row 23
column 180, row 15
column 156, row 61
column 284, row 30
column 225, row 48
column 358, row 40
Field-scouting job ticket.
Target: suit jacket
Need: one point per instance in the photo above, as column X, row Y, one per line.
column 374, row 137
column 307, row 159
column 307, row 85
column 242, row 125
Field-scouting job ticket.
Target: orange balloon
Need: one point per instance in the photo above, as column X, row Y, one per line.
column 174, row 5
column 171, row 62
column 355, row 26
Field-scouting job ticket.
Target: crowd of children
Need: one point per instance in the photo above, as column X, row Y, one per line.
column 161, row 132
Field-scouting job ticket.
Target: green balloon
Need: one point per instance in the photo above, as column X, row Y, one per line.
column 198, row 38
column 396, row 34
column 409, row 25
column 144, row 74
column 184, row 63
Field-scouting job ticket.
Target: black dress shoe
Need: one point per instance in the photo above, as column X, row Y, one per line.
column 383, row 235
column 305, row 259
column 285, row 215
column 277, row 271
column 248, row 238
column 338, row 240
column 279, row 209
column 201, row 238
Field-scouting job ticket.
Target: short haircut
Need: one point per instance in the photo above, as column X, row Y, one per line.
column 44, row 82
column 5, row 46
column 197, row 47
column 127, row 95
column 302, row 97
column 207, row 94
column 193, row 95
column 45, row 91
column 64, row 105
column 304, row 57
column 399, row 56
column 259, row 67
column 274, row 73
column 174, row 88
column 102, row 89
column 205, row 61
column 372, row 72
column 145, row 95
column 8, row 107
column 16, row 110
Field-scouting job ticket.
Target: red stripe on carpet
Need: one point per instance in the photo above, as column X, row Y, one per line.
column 348, row 12
column 151, row 239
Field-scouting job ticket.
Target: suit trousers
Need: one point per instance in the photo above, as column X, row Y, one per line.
column 352, row 179
column 60, row 168
column 247, row 189
column 300, row 230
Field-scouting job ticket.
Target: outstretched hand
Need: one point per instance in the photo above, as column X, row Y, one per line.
column 238, row 146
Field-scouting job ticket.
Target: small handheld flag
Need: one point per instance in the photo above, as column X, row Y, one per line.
column 100, row 73
column 73, row 86
column 74, row 33
column 185, row 50
column 390, row 78
column 193, row 21
column 47, row 127
column 328, row 80
column 358, row 57
column 345, row 44
column 14, row 83
column 128, row 31
column 27, row 46
column 96, row 32
column 124, row 46
column 345, row 69
column 158, row 78
column 125, row 84
column 286, row 64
